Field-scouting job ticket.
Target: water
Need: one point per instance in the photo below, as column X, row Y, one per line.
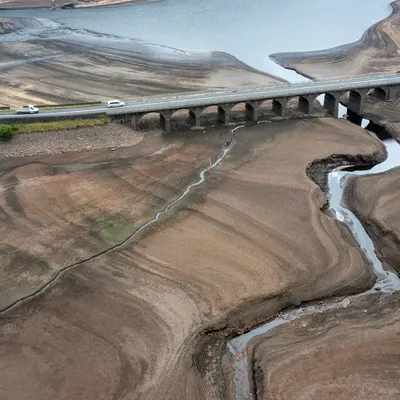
column 250, row 30
column 386, row 281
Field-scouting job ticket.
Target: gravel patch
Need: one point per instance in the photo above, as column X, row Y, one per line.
column 110, row 136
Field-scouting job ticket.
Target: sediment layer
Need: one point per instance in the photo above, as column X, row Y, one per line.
column 375, row 200
column 89, row 68
column 351, row 352
column 376, row 52
column 154, row 315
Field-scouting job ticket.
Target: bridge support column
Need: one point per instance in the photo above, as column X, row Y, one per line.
column 252, row 108
column 394, row 91
column 134, row 122
column 354, row 117
column 306, row 103
column 357, row 100
column 165, row 118
column 195, row 116
column 224, row 114
column 279, row 107
column 331, row 102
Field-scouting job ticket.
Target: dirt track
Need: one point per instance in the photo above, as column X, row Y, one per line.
column 242, row 246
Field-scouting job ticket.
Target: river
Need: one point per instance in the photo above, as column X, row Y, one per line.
column 386, row 281
column 250, row 30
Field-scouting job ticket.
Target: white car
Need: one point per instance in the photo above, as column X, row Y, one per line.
column 115, row 103
column 31, row 109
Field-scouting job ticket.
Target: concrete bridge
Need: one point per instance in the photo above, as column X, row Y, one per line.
column 383, row 87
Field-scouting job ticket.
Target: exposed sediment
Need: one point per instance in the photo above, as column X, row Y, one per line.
column 375, row 200
column 376, row 52
column 248, row 242
column 90, row 68
column 351, row 352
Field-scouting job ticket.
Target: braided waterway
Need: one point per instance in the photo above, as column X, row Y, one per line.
column 386, row 280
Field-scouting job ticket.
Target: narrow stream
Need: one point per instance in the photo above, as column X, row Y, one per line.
column 229, row 143
column 386, row 281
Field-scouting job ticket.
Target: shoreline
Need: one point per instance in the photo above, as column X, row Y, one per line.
column 340, row 59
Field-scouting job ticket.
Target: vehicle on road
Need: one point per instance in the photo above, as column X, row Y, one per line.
column 29, row 109
column 115, row 103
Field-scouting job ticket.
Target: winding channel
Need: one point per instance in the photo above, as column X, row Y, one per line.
column 229, row 143
column 386, row 281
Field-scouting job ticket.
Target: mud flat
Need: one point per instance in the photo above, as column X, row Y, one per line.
column 375, row 53
column 72, row 67
column 375, row 200
column 352, row 352
column 155, row 314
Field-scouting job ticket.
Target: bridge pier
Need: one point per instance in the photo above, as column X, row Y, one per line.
column 357, row 100
column 279, row 107
column 306, row 103
column 331, row 102
column 252, row 110
column 354, row 117
column 165, row 119
column 134, row 122
column 224, row 113
column 394, row 92
column 195, row 116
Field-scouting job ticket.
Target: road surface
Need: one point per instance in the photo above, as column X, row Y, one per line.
column 185, row 100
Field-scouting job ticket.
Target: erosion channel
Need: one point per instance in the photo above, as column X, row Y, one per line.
column 386, row 281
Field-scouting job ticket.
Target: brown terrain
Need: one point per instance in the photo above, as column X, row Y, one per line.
column 352, row 352
column 376, row 199
column 150, row 319
column 79, row 69
column 349, row 353
column 148, row 315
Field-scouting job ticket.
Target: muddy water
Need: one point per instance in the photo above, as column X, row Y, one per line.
column 386, row 281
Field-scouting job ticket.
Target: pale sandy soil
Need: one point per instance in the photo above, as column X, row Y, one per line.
column 154, row 316
column 351, row 353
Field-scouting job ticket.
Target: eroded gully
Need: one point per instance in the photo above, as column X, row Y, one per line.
column 386, row 280
column 229, row 142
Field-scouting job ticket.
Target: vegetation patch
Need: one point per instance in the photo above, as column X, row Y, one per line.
column 7, row 132
column 60, row 125
column 114, row 229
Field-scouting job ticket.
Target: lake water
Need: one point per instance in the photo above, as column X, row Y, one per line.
column 250, row 30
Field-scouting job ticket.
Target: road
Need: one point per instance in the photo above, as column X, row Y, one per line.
column 185, row 100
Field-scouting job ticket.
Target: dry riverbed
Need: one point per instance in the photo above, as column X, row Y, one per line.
column 349, row 353
column 154, row 314
column 84, row 68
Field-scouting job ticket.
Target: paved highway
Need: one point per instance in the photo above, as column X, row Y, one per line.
column 184, row 100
